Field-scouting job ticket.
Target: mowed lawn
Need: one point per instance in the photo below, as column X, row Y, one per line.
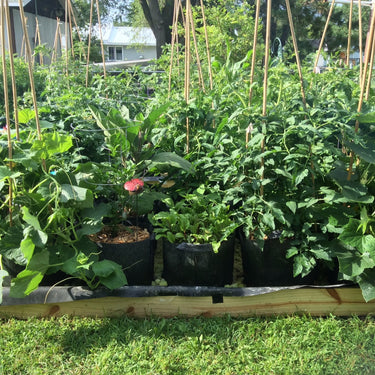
column 278, row 345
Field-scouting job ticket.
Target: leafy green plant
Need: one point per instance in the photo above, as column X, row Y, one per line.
column 47, row 222
column 200, row 217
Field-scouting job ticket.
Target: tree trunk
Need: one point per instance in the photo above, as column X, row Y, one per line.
column 160, row 21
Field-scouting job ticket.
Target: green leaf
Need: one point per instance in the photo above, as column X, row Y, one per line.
column 365, row 151
column 104, row 268
column 268, row 220
column 52, row 143
column 171, row 159
column 292, row 206
column 367, row 284
column 6, row 173
column 26, row 282
column 26, row 115
column 3, row 275
column 27, row 248
column 352, row 265
column 301, row 176
column 30, row 219
column 115, row 280
column 81, row 196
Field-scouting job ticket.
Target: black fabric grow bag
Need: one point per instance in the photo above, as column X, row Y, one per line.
column 136, row 259
column 190, row 264
column 268, row 267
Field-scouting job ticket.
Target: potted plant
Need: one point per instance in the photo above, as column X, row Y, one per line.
column 127, row 238
column 198, row 241
column 48, row 218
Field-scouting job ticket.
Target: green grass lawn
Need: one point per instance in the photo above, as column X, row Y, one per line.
column 284, row 345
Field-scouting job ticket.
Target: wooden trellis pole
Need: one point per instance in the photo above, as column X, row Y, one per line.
column 207, row 45
column 360, row 39
column 12, row 72
column 31, row 76
column 174, row 42
column 37, row 39
column 349, row 32
column 363, row 86
column 101, row 38
column 324, row 35
column 296, row 51
column 89, row 43
column 253, row 57
column 199, row 65
column 66, row 40
column 68, row 12
column 76, row 26
column 265, row 82
column 371, row 52
column 56, row 41
column 187, row 69
column 6, row 103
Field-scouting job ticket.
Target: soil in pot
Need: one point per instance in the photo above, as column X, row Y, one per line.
column 130, row 246
column 191, row 264
column 269, row 266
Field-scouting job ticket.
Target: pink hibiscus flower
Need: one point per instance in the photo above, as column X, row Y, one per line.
column 134, row 186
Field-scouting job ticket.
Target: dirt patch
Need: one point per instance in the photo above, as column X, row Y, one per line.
column 121, row 234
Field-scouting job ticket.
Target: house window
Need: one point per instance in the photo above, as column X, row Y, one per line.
column 114, row 53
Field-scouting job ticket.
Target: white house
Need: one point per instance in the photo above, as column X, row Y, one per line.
column 122, row 43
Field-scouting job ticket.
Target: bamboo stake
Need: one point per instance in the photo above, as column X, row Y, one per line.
column 89, row 43
column 207, row 46
column 77, row 29
column 371, row 51
column 360, row 102
column 208, row 55
column 349, row 32
column 324, row 35
column 174, row 37
column 265, row 82
column 199, row 65
column 6, row 103
column 66, row 39
column 187, row 70
column 12, row 71
column 54, row 52
column 37, row 39
column 253, row 58
column 101, row 38
column 296, row 51
column 23, row 46
column 360, row 40
column 31, row 76
column 70, row 28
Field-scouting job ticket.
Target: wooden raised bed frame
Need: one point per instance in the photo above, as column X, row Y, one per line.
column 166, row 303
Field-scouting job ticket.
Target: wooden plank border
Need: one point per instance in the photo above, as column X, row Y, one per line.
column 311, row 301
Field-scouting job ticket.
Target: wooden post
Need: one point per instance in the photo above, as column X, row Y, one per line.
column 253, row 57
column 296, row 51
column 363, row 86
column 101, row 38
column 265, row 82
column 12, row 72
column 187, row 69
column 174, row 42
column 349, row 33
column 6, row 103
column 324, row 35
column 89, row 43
column 31, row 76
